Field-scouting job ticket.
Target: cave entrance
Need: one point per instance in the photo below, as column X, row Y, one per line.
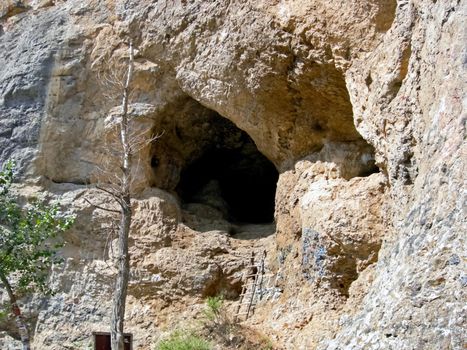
column 231, row 176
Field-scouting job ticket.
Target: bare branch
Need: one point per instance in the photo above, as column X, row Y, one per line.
column 107, row 191
column 138, row 142
column 102, row 208
column 115, row 195
column 108, row 247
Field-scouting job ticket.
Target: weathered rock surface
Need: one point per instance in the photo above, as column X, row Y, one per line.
column 363, row 256
column 418, row 95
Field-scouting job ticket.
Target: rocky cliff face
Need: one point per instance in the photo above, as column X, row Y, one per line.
column 345, row 121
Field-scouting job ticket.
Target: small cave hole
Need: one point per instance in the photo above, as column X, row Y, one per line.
column 372, row 168
column 154, row 162
column 234, row 178
column 318, row 127
column 368, row 80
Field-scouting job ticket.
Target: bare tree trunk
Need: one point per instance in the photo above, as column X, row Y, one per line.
column 121, row 285
column 23, row 329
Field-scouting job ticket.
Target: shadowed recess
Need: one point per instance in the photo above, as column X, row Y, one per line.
column 234, row 178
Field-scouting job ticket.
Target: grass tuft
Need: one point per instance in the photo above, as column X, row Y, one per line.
column 182, row 340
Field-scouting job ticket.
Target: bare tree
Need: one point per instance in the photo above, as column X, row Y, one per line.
column 124, row 199
column 116, row 181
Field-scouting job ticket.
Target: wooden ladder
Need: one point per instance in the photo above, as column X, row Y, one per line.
column 253, row 284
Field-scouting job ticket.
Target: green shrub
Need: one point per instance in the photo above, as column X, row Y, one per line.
column 213, row 308
column 180, row 340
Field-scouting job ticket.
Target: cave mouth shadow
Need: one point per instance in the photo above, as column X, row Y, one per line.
column 233, row 178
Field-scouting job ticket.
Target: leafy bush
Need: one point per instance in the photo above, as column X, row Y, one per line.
column 213, row 308
column 28, row 238
column 180, row 340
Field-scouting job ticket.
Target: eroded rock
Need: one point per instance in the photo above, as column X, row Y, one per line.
column 358, row 106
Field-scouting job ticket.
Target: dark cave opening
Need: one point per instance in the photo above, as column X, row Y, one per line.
column 234, row 178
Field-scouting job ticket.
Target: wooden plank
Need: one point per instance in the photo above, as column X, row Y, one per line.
column 102, row 341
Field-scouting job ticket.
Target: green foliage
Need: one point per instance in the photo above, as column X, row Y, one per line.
column 268, row 345
column 6, row 178
column 217, row 321
column 214, row 306
column 28, row 237
column 180, row 340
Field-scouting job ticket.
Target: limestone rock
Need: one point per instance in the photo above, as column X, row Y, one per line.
column 359, row 105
